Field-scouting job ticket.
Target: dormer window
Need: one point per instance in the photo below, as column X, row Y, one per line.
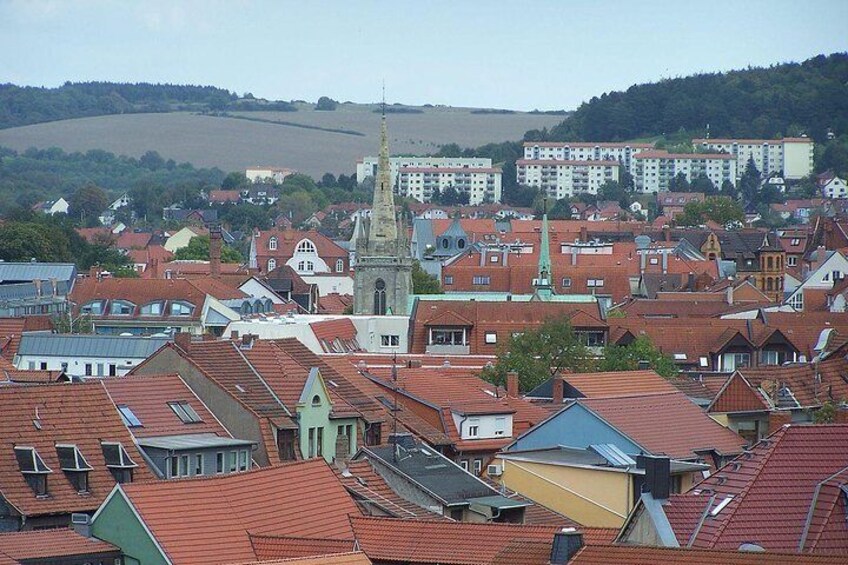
column 272, row 244
column 34, row 469
column 180, row 308
column 316, row 400
column 153, row 308
column 121, row 308
column 272, row 264
column 185, row 412
column 74, row 465
column 118, row 461
column 94, row 308
column 305, row 246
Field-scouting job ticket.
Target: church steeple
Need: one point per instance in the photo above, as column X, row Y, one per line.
column 383, row 228
column 543, row 285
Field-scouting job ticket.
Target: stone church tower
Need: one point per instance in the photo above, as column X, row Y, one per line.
column 382, row 281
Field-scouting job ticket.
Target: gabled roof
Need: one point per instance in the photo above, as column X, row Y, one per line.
column 772, row 492
column 210, row 519
column 641, row 555
column 737, row 395
column 666, row 423
column 287, row 241
column 79, row 414
column 336, row 336
column 347, row 558
column 268, row 547
column 606, row 385
column 148, row 396
column 455, row 543
column 802, row 381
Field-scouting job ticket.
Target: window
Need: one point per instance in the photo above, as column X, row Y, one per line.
column 380, row 297
column 305, row 246
column 95, row 307
column 180, row 308
column 310, row 266
column 121, row 308
column 272, row 264
column 448, row 280
column 319, row 442
column 390, row 340
column 272, row 244
column 316, row 400
column 43, row 366
column 769, row 358
column 113, row 370
column 184, row 468
column 34, row 469
column 311, row 442
column 285, row 445
column 566, row 282
column 464, row 464
column 128, row 416
column 593, row 283
column 733, row 361
column 481, row 280
column 447, row 337
column 244, row 460
column 185, row 412
column 232, row 461
column 500, row 426
column 88, row 369
column 791, row 260
column 153, row 308
column 339, row 266
column 219, row 462
column 478, row 466
column 198, row 464
column 491, row 337
column 473, row 427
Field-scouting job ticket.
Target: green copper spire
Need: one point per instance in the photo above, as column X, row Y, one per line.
column 544, row 282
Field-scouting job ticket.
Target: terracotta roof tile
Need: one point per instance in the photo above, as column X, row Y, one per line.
column 667, row 423
column 70, row 413
column 455, row 543
column 17, row 326
column 302, row 499
column 334, row 303
column 621, row 383
column 286, row 547
column 42, row 544
column 639, row 555
column 782, row 473
column 349, row 558
column 341, row 329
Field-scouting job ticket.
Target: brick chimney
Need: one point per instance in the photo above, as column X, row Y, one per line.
column 182, row 340
column 512, row 384
column 215, row 243
column 557, row 387
column 584, row 234
column 666, row 234
column 777, row 419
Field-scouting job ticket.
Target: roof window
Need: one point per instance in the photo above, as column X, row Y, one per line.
column 128, row 416
column 71, row 458
column 116, row 456
column 721, row 506
column 185, row 412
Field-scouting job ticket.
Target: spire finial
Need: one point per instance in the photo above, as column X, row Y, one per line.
column 383, row 107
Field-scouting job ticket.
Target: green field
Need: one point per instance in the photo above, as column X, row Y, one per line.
column 303, row 143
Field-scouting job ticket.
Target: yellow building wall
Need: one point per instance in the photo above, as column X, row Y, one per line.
column 593, row 497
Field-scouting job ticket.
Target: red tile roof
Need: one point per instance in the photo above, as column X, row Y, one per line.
column 80, row 414
column 667, row 423
column 302, row 499
column 737, row 395
column 335, row 303
column 139, row 292
column 285, row 547
column 773, row 488
column 639, row 555
column 453, row 543
column 801, row 380
column 287, row 241
column 590, row 144
column 348, row 558
column 133, row 240
column 148, row 397
column 58, row 543
column 219, row 196
column 17, row 326
column 341, row 329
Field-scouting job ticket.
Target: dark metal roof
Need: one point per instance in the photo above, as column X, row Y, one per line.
column 59, row 345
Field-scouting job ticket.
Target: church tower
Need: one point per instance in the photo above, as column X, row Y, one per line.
column 382, row 280
column 543, row 285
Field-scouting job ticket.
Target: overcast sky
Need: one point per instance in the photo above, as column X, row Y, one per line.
column 522, row 55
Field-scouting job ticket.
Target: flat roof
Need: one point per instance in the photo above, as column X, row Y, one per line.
column 191, row 441
column 575, row 456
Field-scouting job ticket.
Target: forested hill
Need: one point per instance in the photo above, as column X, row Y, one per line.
column 787, row 99
column 23, row 105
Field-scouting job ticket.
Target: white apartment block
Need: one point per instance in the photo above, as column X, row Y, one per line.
column 653, row 170
column 482, row 185
column 561, row 179
column 261, row 174
column 584, row 151
column 368, row 166
column 790, row 157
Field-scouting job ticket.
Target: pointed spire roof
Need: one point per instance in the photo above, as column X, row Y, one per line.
column 544, row 281
column 383, row 228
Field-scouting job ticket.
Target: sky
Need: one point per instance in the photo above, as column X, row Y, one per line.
column 519, row 55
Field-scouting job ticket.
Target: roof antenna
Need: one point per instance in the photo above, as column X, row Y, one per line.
column 395, row 407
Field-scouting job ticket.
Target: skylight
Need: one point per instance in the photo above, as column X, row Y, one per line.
column 721, row 505
column 129, row 418
column 185, row 412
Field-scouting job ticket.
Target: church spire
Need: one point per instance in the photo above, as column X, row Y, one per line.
column 544, row 283
column 383, row 229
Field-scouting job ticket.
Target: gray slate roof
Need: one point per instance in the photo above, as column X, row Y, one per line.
column 66, row 345
column 28, row 272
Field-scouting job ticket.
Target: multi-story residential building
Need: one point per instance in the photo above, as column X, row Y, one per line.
column 367, row 167
column 560, row 179
column 790, row 157
column 482, row 185
column 264, row 174
column 584, row 151
column 653, row 170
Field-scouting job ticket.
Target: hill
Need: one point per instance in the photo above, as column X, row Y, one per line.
column 310, row 141
column 786, row 99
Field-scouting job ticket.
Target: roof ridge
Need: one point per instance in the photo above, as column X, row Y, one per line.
column 209, row 478
column 503, row 525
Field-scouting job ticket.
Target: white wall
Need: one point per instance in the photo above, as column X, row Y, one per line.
column 370, row 329
column 76, row 365
column 486, row 424
column 328, row 284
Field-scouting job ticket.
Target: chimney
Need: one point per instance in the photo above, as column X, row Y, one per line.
column 557, row 389
column 234, row 335
column 247, row 341
column 730, row 293
column 691, row 282
column 584, row 234
column 667, row 234
column 81, row 524
column 512, row 384
column 567, row 542
column 643, row 260
column 483, row 257
column 54, row 286
column 574, row 254
column 657, row 475
column 215, row 243
column 37, row 283
column 664, row 262
column 182, row 340
column 777, row 419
